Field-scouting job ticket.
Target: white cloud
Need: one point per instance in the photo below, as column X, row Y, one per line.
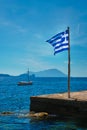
column 81, row 29
column 38, row 36
column 35, row 64
column 15, row 27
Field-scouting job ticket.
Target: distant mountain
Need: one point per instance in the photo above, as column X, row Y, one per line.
column 6, row 78
column 44, row 73
column 4, row 75
column 50, row 73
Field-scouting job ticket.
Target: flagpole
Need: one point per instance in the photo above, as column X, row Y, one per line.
column 69, row 64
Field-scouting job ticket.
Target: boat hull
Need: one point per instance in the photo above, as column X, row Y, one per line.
column 23, row 83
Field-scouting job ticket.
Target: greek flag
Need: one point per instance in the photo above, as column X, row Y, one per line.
column 60, row 41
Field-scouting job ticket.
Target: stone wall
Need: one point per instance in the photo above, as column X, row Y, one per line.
column 58, row 106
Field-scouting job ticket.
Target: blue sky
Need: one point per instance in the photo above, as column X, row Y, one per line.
column 25, row 25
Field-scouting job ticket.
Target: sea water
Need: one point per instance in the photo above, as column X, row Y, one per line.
column 16, row 99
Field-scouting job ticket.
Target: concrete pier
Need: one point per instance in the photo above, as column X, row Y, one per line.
column 60, row 104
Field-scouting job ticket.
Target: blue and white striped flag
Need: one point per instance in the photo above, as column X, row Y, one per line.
column 60, row 41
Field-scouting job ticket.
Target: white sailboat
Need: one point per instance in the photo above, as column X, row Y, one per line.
column 23, row 83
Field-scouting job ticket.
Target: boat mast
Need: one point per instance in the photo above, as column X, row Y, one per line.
column 28, row 74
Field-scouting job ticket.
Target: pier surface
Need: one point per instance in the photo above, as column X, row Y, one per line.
column 60, row 104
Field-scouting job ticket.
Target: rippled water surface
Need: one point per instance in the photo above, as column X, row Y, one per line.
column 16, row 99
